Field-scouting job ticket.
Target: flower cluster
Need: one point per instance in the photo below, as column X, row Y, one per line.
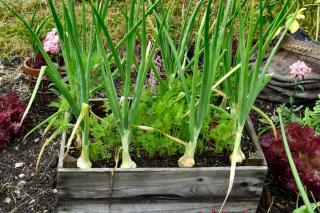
column 299, row 69
column 51, row 42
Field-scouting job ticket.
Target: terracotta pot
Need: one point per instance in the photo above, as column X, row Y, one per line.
column 34, row 72
column 28, row 70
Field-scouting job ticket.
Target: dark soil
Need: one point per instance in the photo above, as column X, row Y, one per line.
column 206, row 159
column 21, row 189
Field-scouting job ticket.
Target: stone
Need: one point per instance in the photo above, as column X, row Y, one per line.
column 7, row 200
column 17, row 193
column 19, row 165
column 21, row 184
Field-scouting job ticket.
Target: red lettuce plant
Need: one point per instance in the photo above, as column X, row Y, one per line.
column 304, row 144
column 11, row 111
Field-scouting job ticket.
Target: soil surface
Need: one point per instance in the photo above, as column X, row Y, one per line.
column 22, row 190
column 206, row 159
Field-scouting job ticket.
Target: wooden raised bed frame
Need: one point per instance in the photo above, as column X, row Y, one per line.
column 196, row 190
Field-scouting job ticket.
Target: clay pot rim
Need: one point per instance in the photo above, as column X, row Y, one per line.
column 26, row 63
column 34, row 72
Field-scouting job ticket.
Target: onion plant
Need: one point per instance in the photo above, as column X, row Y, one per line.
column 252, row 48
column 209, row 44
column 175, row 57
column 212, row 58
column 242, row 87
column 124, row 109
column 78, row 56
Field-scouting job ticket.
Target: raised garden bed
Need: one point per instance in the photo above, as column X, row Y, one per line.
column 199, row 189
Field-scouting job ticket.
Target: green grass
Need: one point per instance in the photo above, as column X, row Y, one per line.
column 14, row 38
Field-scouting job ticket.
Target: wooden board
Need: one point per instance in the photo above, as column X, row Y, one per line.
column 170, row 189
column 175, row 182
column 207, row 206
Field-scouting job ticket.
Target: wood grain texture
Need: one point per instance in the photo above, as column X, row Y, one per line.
column 176, row 182
column 159, row 206
column 256, row 158
column 171, row 189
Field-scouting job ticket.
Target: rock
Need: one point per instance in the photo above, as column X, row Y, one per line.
column 7, row 200
column 55, row 191
column 21, row 184
column 18, row 193
column 22, row 175
column 19, row 165
column 32, row 201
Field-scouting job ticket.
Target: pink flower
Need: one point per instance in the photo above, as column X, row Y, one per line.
column 299, row 69
column 51, row 42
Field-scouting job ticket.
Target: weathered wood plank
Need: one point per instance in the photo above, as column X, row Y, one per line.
column 188, row 189
column 257, row 158
column 184, row 183
column 102, row 206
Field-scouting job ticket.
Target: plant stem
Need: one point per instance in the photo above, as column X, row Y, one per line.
column 267, row 118
column 187, row 160
column 152, row 129
column 293, row 167
column 83, row 161
column 127, row 162
column 85, row 135
column 318, row 23
column 237, row 156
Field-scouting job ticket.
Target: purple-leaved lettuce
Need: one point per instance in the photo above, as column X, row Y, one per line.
column 304, row 145
column 11, row 111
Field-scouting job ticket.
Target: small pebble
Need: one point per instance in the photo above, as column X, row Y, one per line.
column 54, row 190
column 19, row 165
column 18, row 193
column 21, row 184
column 22, row 175
column 17, row 148
column 32, row 201
column 7, row 200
